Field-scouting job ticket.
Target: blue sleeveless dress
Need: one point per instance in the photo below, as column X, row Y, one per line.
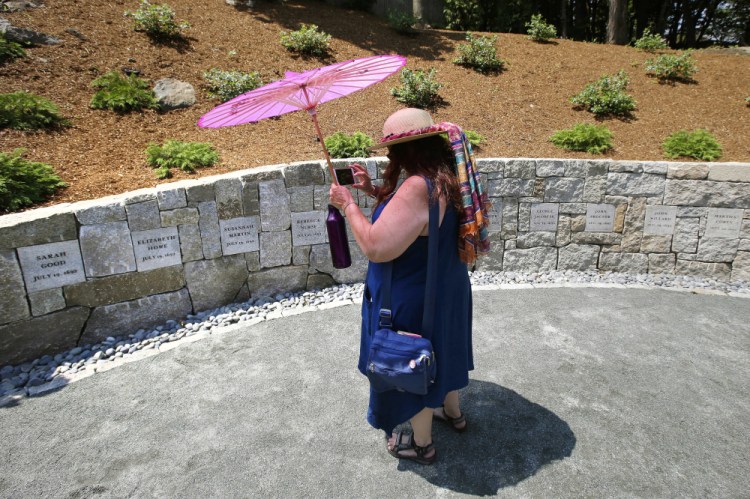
column 451, row 339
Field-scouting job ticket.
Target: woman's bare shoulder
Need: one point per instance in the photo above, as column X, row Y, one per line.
column 413, row 187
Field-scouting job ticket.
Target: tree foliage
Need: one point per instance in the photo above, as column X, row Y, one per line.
column 682, row 23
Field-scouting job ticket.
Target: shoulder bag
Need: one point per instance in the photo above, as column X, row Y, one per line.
column 405, row 361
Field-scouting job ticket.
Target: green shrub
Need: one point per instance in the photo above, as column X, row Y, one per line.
column 10, row 50
column 341, row 145
column 651, row 42
column 607, row 96
column 672, row 67
column 25, row 111
column 157, row 20
column 307, row 40
column 747, row 101
column 226, row 85
column 402, row 22
column 698, row 144
column 474, row 138
column 538, row 29
column 594, row 139
column 464, row 15
column 418, row 89
column 480, row 54
column 187, row 156
column 122, row 94
column 25, row 183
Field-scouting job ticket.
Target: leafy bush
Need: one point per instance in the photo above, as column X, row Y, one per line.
column 24, row 183
column 607, row 96
column 651, row 42
column 187, row 156
column 672, row 67
column 10, row 50
column 480, row 54
column 307, row 40
column 474, row 138
column 226, row 85
column 25, row 111
column 698, row 144
column 465, row 15
column 402, row 22
column 341, row 145
column 122, row 94
column 157, row 20
column 418, row 89
column 594, row 139
column 538, row 30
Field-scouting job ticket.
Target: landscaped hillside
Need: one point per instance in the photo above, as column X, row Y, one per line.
column 516, row 110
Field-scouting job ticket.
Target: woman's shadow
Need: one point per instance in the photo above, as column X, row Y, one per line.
column 509, row 439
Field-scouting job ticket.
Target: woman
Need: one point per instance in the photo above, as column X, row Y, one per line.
column 417, row 147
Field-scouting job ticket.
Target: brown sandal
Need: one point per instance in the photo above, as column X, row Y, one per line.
column 404, row 442
column 453, row 422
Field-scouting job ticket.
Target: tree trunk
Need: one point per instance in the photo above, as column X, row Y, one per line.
column 564, row 18
column 417, row 9
column 617, row 22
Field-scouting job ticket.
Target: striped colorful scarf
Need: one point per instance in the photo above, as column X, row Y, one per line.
column 473, row 235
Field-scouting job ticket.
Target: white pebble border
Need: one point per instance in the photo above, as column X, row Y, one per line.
column 52, row 372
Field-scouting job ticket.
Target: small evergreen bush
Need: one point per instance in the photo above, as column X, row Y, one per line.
column 187, row 156
column 538, row 29
column 226, row 85
column 157, row 21
column 418, row 89
column 594, row 139
column 474, row 138
column 307, row 41
column 341, row 145
column 122, row 94
column 25, row 183
column 402, row 22
column 669, row 67
column 463, row 15
column 25, row 111
column 10, row 50
column 607, row 96
column 479, row 53
column 651, row 42
column 698, row 144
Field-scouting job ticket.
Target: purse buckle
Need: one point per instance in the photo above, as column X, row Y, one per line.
column 385, row 318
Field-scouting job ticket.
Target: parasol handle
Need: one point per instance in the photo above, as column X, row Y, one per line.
column 314, row 114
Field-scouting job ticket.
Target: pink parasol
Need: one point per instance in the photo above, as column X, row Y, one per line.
column 304, row 91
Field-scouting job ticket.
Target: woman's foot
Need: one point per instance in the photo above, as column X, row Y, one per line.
column 402, row 445
column 458, row 422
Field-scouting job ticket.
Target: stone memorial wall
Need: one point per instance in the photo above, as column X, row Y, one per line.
column 78, row 273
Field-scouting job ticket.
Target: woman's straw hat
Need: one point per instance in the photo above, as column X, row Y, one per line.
column 404, row 126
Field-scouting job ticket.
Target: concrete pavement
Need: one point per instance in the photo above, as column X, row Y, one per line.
column 578, row 392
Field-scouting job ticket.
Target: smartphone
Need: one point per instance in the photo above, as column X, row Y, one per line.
column 345, row 176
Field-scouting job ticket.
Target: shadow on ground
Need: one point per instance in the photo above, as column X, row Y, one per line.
column 510, row 438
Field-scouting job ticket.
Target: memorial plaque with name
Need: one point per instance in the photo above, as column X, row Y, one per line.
column 544, row 217
column 723, row 222
column 156, row 248
column 308, row 227
column 660, row 220
column 600, row 217
column 53, row 265
column 239, row 235
column 496, row 215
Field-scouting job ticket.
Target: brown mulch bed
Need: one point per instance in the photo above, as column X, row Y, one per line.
column 516, row 110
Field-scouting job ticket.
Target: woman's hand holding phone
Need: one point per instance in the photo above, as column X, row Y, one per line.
column 364, row 182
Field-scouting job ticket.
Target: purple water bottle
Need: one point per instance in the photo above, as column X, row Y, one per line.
column 337, row 239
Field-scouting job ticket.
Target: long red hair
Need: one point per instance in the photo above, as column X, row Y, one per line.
column 430, row 157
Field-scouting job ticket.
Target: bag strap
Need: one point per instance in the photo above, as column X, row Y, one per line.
column 428, row 316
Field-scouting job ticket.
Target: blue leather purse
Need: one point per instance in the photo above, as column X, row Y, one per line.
column 399, row 360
